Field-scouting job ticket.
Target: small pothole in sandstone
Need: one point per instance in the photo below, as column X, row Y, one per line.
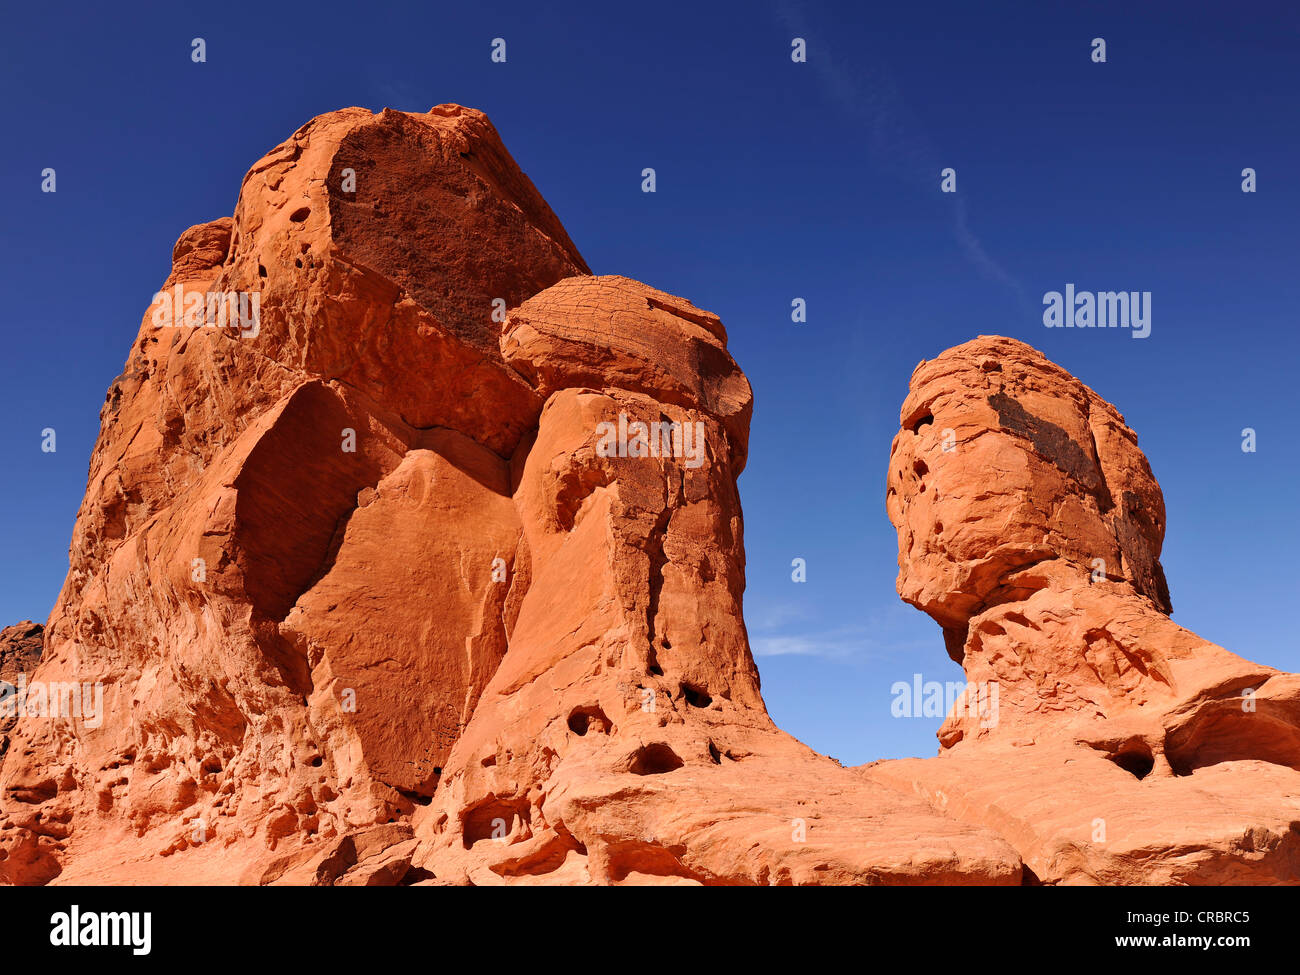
column 696, row 697
column 1135, row 759
column 588, row 718
column 655, row 759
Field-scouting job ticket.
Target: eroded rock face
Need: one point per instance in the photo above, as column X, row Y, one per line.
column 21, row 646
column 383, row 585
column 1117, row 747
column 623, row 737
column 1008, row 468
column 411, row 552
column 280, row 571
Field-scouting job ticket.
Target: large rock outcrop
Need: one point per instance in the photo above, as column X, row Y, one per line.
column 1104, row 741
column 411, row 552
column 261, row 528
column 426, row 568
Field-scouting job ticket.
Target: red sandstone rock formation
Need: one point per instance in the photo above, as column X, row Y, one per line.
column 432, row 573
column 376, row 598
column 1124, row 749
column 272, row 519
column 623, row 737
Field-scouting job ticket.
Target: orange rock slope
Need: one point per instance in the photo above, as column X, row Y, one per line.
column 424, row 564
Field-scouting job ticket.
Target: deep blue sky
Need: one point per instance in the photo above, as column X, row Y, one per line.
column 775, row 180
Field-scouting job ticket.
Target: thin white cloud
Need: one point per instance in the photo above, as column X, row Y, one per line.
column 880, row 633
column 898, row 144
column 775, row 615
column 806, row 645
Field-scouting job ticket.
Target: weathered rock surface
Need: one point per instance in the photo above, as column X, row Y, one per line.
column 21, row 646
column 374, row 597
column 1121, row 748
column 427, row 568
column 623, row 738
column 280, row 571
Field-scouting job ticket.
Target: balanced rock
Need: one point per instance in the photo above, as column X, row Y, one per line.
column 1104, row 741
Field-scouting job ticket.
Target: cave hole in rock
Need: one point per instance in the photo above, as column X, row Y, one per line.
column 588, row 718
column 655, row 759
column 652, row 660
column 1135, row 758
column 696, row 697
column 492, row 819
column 1222, row 732
column 416, row 798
